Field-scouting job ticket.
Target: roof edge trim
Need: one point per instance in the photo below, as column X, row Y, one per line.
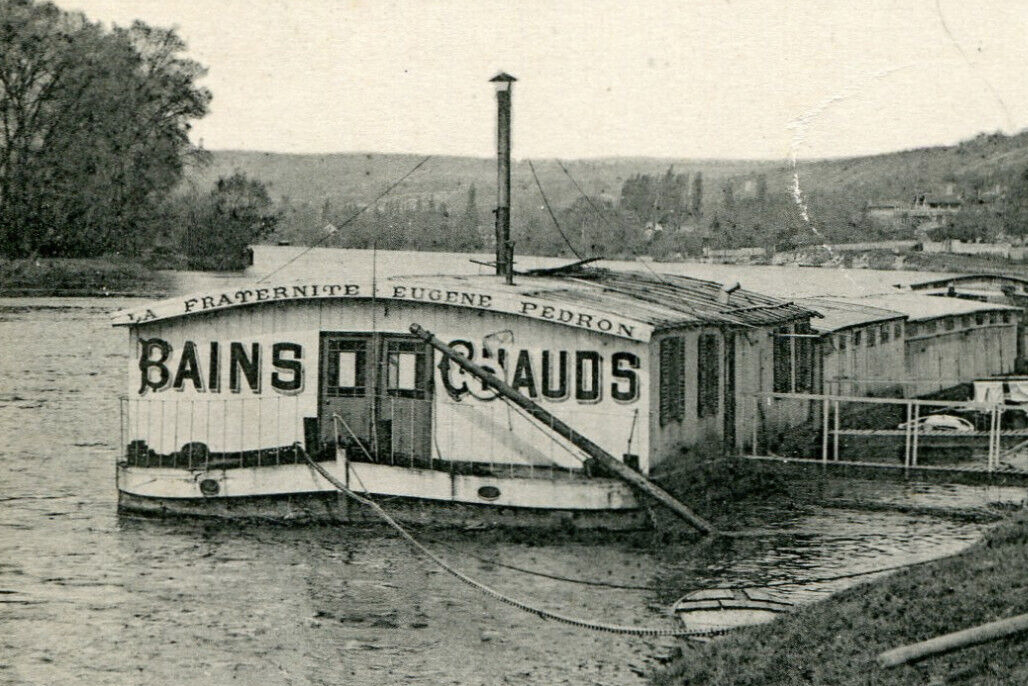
column 490, row 300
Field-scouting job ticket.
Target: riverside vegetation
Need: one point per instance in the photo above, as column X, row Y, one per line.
column 80, row 277
column 836, row 641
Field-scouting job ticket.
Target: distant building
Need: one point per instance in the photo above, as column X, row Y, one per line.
column 935, row 206
column 884, row 208
column 926, row 208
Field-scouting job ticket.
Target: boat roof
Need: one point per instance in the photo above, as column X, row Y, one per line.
column 837, row 314
column 918, row 307
column 955, row 280
column 628, row 304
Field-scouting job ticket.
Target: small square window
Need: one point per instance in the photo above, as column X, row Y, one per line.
column 346, row 368
column 885, row 333
column 856, row 339
column 897, row 330
column 406, row 369
column 402, row 371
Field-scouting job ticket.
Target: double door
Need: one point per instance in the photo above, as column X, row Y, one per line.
column 376, row 394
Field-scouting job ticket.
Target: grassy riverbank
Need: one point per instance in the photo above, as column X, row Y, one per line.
column 835, row 642
column 80, row 277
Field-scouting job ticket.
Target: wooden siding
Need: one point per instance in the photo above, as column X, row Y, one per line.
column 946, row 357
column 852, row 368
column 471, row 429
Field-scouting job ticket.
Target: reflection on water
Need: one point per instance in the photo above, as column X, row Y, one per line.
column 88, row 597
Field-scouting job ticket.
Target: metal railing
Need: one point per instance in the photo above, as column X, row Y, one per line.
column 211, row 433
column 457, row 436
column 907, row 432
column 482, row 438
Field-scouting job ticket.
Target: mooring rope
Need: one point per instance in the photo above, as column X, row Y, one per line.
column 732, row 587
column 488, row 590
column 556, row 577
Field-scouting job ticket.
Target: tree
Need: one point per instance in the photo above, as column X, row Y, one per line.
column 93, row 129
column 1015, row 207
column 697, row 194
column 728, row 195
column 467, row 237
column 220, row 226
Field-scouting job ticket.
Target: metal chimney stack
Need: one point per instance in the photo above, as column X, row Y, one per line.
column 504, row 248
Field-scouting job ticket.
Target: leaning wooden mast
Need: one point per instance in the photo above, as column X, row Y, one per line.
column 608, row 461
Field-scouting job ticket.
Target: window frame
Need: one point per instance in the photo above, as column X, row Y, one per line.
column 708, row 375
column 422, row 368
column 671, row 398
column 360, row 347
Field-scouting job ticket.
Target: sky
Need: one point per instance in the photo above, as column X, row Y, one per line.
column 668, row 78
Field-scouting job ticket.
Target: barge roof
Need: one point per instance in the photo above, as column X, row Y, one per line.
column 958, row 279
column 919, row 307
column 838, row 314
column 664, row 301
column 646, row 303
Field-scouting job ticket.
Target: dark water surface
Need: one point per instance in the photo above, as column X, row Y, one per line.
column 87, row 597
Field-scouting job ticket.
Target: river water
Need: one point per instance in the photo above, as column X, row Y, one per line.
column 88, row 597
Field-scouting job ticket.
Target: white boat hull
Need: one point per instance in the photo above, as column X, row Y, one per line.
column 426, row 496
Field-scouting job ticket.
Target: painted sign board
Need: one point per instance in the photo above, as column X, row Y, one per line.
column 495, row 300
column 238, row 385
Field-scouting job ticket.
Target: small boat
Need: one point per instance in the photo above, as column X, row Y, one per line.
column 716, row 608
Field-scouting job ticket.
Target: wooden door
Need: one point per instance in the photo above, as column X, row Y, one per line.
column 403, row 407
column 347, row 388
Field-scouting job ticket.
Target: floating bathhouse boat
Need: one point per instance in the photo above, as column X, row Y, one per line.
column 228, row 390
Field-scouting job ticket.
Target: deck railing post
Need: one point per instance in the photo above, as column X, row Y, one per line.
column 121, row 427
column 207, row 437
column 189, row 453
column 224, row 429
column 835, row 437
column 756, row 421
column 260, row 427
column 907, row 430
column 994, row 436
column 825, row 409
column 242, row 429
column 917, row 433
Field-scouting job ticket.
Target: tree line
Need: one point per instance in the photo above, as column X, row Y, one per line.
column 94, row 138
column 94, row 149
column 662, row 215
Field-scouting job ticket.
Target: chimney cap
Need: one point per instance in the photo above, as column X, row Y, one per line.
column 502, row 76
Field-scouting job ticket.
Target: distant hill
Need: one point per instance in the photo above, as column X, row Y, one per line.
column 358, row 177
column 980, row 162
